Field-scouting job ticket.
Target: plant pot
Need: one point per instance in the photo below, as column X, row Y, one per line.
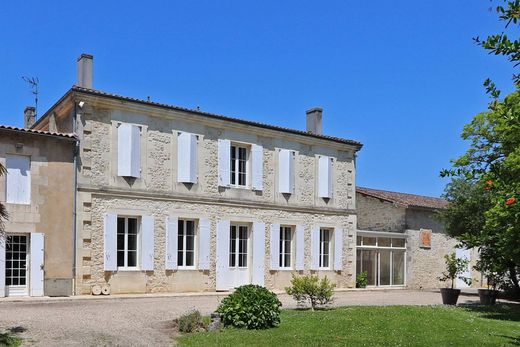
column 488, row 296
column 450, row 296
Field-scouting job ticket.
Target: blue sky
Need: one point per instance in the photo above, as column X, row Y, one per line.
column 402, row 77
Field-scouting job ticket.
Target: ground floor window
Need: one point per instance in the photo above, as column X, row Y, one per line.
column 186, row 243
column 238, row 246
column 16, row 260
column 127, row 242
column 286, row 237
column 325, row 247
column 383, row 258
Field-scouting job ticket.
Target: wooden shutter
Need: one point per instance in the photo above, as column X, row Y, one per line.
column 300, row 248
column 18, row 179
column 286, row 171
column 187, row 158
column 325, row 177
column 204, row 243
column 37, row 262
column 315, row 248
column 2, row 265
column 275, row 246
column 110, row 242
column 147, row 243
column 257, row 158
column 338, row 249
column 172, row 233
column 224, row 163
column 223, row 278
column 258, row 253
column 129, row 150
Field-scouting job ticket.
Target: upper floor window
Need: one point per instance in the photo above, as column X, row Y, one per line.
column 238, row 165
column 286, row 238
column 129, row 150
column 18, row 179
column 186, row 243
column 127, row 242
column 325, row 247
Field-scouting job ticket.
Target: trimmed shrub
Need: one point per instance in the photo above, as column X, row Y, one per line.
column 192, row 322
column 362, row 280
column 311, row 289
column 251, row 307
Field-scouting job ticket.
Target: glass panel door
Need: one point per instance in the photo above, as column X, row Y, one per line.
column 239, row 254
column 16, row 265
column 384, row 267
column 397, row 268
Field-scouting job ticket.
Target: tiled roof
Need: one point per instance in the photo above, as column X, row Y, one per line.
column 403, row 199
column 38, row 132
column 217, row 116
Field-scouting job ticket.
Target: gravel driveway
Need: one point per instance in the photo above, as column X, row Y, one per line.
column 146, row 320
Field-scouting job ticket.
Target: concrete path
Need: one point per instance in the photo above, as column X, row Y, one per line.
column 145, row 320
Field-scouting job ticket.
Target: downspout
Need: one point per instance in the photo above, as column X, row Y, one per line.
column 75, row 186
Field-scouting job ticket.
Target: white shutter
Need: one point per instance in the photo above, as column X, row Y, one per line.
column 338, row 249
column 223, row 278
column 37, row 261
column 286, row 171
column 129, row 150
column 315, row 248
column 110, row 242
column 187, row 158
column 300, row 248
column 258, row 253
column 325, row 177
column 204, row 243
column 2, row 265
column 224, row 163
column 172, row 233
column 147, row 243
column 257, row 157
column 275, row 246
column 18, row 179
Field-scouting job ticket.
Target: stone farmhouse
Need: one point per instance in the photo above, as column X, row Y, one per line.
column 134, row 196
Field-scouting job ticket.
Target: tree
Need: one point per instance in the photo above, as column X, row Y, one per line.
column 3, row 211
column 484, row 192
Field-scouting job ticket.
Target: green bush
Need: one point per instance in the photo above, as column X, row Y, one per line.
column 191, row 322
column 362, row 280
column 311, row 289
column 251, row 307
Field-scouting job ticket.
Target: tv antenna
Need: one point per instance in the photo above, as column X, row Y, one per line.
column 33, row 82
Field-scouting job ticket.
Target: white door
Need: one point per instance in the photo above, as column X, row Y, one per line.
column 16, row 265
column 463, row 254
column 239, row 273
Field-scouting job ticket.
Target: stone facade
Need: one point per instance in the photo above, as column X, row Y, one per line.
column 424, row 265
column 157, row 193
column 50, row 210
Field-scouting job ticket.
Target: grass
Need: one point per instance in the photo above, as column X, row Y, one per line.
column 379, row 326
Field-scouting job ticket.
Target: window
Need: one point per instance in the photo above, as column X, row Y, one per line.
column 238, row 244
column 16, row 260
column 238, row 168
column 127, row 242
column 18, row 179
column 325, row 247
column 186, row 243
column 286, row 237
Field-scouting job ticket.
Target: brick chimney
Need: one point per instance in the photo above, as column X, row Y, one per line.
column 314, row 121
column 29, row 117
column 85, row 70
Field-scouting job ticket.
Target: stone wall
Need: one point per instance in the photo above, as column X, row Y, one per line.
column 379, row 215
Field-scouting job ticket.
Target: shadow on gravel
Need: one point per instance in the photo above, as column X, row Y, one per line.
column 509, row 312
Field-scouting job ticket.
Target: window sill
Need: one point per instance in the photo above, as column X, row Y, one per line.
column 186, row 268
column 129, row 269
column 240, row 187
column 286, row 269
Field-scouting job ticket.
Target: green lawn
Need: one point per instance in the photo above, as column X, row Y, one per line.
column 379, row 326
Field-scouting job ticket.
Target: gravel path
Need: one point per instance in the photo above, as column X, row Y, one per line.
column 147, row 320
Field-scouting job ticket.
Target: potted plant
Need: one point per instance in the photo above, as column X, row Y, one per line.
column 494, row 279
column 362, row 280
column 455, row 267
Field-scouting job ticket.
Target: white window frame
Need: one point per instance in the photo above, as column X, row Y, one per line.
column 235, row 146
column 195, row 244
column 138, row 241
column 248, row 248
column 282, row 265
column 330, row 254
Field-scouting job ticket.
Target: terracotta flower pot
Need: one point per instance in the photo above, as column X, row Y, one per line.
column 450, row 296
column 488, row 296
